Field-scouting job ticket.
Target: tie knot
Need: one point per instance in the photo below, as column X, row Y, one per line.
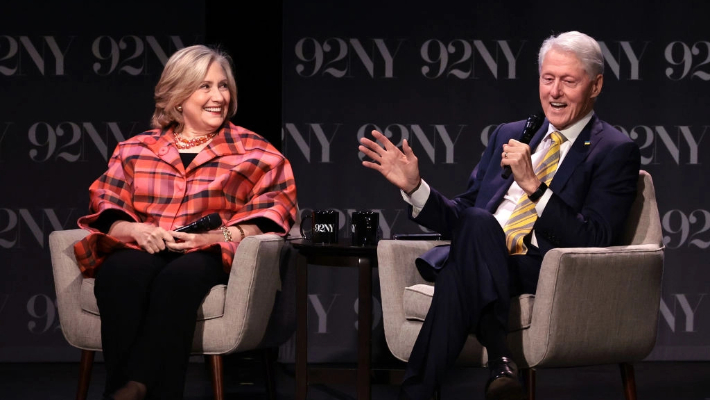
column 557, row 137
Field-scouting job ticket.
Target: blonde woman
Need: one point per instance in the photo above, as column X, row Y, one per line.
column 150, row 279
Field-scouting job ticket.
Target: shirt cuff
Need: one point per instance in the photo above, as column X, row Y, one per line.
column 417, row 199
column 540, row 205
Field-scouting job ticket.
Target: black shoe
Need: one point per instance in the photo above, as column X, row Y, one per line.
column 503, row 383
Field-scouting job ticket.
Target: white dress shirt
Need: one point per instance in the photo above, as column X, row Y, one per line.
column 515, row 192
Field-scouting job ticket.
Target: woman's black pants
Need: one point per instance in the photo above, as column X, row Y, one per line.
column 148, row 305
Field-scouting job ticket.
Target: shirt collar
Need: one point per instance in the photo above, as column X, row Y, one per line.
column 574, row 130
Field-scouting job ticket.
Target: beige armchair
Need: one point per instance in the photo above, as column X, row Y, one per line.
column 232, row 318
column 592, row 305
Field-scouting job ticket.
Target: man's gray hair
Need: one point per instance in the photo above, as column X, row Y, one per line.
column 584, row 47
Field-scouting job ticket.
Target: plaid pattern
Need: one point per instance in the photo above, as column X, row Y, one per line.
column 239, row 174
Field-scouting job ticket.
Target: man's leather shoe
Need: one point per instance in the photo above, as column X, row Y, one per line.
column 503, row 383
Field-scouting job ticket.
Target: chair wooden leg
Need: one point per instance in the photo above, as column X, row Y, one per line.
column 629, row 380
column 87, row 362
column 529, row 378
column 216, row 370
column 437, row 393
column 269, row 373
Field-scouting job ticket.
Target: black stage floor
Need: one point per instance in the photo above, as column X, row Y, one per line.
column 655, row 381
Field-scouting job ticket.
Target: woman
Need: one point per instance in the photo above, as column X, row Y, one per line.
column 152, row 279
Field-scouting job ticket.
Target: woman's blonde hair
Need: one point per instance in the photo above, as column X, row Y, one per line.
column 183, row 74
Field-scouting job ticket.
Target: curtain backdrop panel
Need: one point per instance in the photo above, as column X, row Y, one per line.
column 444, row 74
column 75, row 79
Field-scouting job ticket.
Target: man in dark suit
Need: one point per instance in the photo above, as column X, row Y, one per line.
column 571, row 187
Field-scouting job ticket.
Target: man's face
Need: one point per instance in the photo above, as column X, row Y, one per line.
column 566, row 92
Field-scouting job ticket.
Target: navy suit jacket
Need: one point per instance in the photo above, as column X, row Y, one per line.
column 593, row 190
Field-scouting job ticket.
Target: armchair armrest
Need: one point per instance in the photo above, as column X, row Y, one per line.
column 397, row 271
column 77, row 325
column 254, row 280
column 595, row 306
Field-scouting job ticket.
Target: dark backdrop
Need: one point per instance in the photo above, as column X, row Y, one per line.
column 443, row 74
column 313, row 76
column 250, row 31
column 75, row 78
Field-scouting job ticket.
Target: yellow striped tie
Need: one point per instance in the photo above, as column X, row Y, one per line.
column 524, row 216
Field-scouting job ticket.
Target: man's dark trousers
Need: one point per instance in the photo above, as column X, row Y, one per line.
column 479, row 272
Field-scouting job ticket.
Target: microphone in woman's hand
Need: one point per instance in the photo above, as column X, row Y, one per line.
column 204, row 224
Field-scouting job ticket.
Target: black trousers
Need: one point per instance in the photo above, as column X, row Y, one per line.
column 148, row 305
column 479, row 274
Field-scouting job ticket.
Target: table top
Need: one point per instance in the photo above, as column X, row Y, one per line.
column 343, row 247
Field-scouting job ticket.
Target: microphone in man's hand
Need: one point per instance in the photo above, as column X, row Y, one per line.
column 531, row 126
column 204, row 224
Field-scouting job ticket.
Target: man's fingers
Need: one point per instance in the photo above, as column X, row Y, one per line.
column 372, row 165
column 383, row 140
column 368, row 152
column 367, row 142
column 377, row 135
column 406, row 149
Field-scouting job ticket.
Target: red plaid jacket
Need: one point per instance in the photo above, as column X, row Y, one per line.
column 239, row 174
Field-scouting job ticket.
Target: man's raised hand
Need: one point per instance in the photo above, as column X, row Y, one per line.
column 400, row 167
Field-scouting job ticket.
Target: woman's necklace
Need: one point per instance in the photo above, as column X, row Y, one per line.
column 183, row 144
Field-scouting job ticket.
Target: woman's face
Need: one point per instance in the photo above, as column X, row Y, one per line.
column 206, row 108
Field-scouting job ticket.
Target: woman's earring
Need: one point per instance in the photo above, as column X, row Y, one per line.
column 179, row 108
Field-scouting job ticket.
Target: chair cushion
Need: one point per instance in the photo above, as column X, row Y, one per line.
column 212, row 306
column 417, row 300
column 520, row 316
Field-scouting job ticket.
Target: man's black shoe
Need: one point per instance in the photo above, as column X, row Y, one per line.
column 503, row 383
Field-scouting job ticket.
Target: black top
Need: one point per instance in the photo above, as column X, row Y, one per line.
column 187, row 158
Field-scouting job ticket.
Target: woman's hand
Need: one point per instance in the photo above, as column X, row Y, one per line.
column 186, row 241
column 150, row 238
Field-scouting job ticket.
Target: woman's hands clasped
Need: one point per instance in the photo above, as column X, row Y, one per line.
column 185, row 241
column 400, row 167
column 150, row 238
column 154, row 239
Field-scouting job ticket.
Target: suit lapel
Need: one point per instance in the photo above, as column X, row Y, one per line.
column 539, row 135
column 582, row 147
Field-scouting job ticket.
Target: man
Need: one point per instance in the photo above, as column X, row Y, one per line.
column 500, row 227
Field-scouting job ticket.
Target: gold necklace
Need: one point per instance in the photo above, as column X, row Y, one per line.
column 183, row 144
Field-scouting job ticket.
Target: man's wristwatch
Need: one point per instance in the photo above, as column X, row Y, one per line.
column 535, row 196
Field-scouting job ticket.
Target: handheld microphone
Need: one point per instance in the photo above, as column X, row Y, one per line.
column 204, row 224
column 531, row 126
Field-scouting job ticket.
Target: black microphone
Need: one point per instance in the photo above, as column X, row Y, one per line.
column 531, row 126
column 204, row 224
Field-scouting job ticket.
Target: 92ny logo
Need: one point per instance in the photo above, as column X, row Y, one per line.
column 47, row 55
